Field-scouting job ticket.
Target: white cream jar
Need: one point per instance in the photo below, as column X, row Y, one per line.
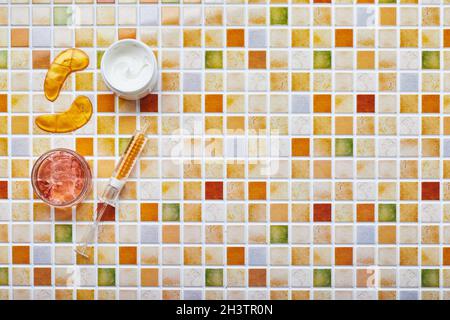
column 129, row 69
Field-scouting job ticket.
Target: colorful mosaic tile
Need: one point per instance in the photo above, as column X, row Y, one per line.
column 298, row 150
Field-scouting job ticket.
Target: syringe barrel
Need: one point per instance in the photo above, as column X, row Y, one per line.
column 130, row 156
column 111, row 192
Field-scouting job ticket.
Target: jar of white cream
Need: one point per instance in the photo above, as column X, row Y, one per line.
column 129, row 69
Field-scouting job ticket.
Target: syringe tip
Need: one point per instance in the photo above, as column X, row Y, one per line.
column 145, row 126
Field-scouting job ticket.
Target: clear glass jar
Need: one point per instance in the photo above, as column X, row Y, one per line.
column 61, row 178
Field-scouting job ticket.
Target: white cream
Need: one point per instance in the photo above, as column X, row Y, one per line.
column 129, row 69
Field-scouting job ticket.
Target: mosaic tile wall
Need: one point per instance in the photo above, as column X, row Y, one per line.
column 298, row 151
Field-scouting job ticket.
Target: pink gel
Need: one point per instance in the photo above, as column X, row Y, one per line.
column 60, row 178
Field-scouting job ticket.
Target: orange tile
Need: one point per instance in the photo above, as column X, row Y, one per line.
column 21, row 254
column 192, row 103
column 300, row 147
column 300, row 38
column 85, row 294
column 387, row 295
column 171, row 234
column 446, row 256
column 171, row 295
column 149, row 212
column 257, row 277
column 366, row 60
column 300, row 295
column 365, row 212
column 42, row 276
column 149, row 277
column 192, row 212
column 19, row 125
column 235, row 255
column 63, row 294
column 149, row 103
column 85, row 146
column 41, row 59
column 387, row 234
column 20, row 37
column 257, row 190
column 430, row 103
column 447, row 38
column 127, row 124
column 192, row 190
column 343, row 125
column 408, row 256
column 388, row 16
column 170, row 16
column 279, row 212
column 236, row 124
column 257, row 60
column 322, row 169
column 127, row 255
column 105, row 103
column 235, row 38
column 3, row 103
column 63, row 214
column 279, row 295
column 4, row 233
column 322, row 103
column 192, row 38
column 343, row 256
column 343, row 37
column 214, row 103
column 127, row 33
column 300, row 256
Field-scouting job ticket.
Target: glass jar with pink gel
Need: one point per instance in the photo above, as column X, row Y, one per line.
column 61, row 178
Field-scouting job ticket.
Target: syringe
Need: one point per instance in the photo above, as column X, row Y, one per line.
column 116, row 184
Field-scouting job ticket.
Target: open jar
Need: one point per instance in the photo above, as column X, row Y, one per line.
column 61, row 178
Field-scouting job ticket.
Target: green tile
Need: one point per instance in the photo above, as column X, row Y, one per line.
column 3, row 59
column 279, row 234
column 214, row 277
column 322, row 59
column 99, row 58
column 123, row 143
column 278, row 16
column 63, row 233
column 344, row 147
column 430, row 278
column 4, row 278
column 387, row 1
column 171, row 212
column 213, row 60
column 106, row 277
column 387, row 212
column 431, row 60
column 62, row 16
column 322, row 277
